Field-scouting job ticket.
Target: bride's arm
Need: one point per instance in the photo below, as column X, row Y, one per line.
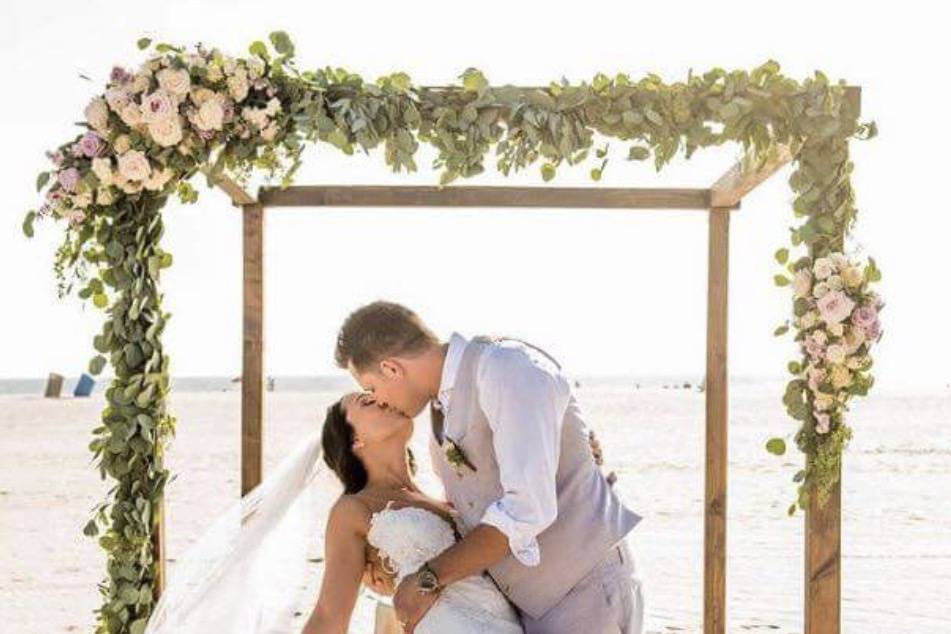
column 344, row 566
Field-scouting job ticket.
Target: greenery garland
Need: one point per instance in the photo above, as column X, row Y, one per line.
column 153, row 129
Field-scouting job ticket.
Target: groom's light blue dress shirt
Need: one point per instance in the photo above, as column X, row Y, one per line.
column 524, row 398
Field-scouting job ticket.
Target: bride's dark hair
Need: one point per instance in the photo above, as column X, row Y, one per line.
column 337, row 441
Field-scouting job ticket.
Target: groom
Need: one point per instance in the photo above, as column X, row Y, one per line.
column 511, row 448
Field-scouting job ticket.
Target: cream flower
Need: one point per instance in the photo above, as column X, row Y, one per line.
column 76, row 217
column 273, row 106
column 852, row 276
column 131, row 115
column 824, row 401
column 134, row 166
column 97, row 114
column 823, row 268
column 841, row 377
column 257, row 116
column 104, row 196
column 102, row 168
column 214, row 73
column 238, row 86
column 142, row 81
column 835, row 282
column 166, row 132
column 820, row 289
column 158, row 105
column 802, row 283
column 122, row 144
column 836, row 330
column 839, row 261
column 200, row 95
column 118, row 98
column 158, row 179
column 808, row 320
column 82, row 200
column 835, row 353
column 269, row 132
column 210, row 115
column 822, row 423
column 175, row 81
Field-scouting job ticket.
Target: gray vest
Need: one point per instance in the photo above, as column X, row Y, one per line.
column 591, row 518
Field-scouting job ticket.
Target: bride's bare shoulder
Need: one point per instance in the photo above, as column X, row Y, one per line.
column 349, row 511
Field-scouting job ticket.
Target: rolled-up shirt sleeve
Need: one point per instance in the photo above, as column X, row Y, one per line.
column 524, row 403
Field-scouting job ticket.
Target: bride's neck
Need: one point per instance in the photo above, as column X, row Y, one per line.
column 391, row 473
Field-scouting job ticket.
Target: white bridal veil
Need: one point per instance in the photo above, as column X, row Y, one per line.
column 244, row 573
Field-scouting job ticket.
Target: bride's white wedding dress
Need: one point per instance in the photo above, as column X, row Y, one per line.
column 244, row 574
column 409, row 536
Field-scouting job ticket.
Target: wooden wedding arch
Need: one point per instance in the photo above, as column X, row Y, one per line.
column 822, row 601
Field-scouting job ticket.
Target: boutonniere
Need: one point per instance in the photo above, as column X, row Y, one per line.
column 456, row 457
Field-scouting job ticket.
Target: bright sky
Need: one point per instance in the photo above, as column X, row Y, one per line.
column 610, row 292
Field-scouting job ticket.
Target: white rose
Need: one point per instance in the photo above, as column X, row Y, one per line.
column 214, row 73
column 230, row 65
column 834, row 282
column 823, row 268
column 175, row 81
column 210, row 114
column 820, row 289
column 835, row 353
column 255, row 68
column 102, row 168
column 166, row 132
column 97, row 114
column 160, row 104
column 134, row 166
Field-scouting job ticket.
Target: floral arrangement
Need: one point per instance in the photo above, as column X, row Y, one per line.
column 152, row 129
column 837, row 319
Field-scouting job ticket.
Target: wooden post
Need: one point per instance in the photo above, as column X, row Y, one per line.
column 252, row 379
column 823, row 560
column 714, row 535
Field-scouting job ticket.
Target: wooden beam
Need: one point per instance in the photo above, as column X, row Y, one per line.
column 252, row 378
column 823, row 570
column 715, row 474
column 743, row 177
column 483, row 196
column 238, row 196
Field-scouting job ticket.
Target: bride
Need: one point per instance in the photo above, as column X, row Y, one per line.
column 240, row 576
column 383, row 528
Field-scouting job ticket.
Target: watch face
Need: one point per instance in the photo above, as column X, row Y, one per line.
column 427, row 580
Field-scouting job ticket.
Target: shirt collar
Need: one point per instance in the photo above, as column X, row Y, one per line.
column 457, row 343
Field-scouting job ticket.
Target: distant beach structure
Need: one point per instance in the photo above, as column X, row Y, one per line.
column 84, row 386
column 54, row 385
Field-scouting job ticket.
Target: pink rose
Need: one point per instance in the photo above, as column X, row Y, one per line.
column 874, row 330
column 68, row 179
column 160, row 104
column 92, row 145
column 864, row 316
column 822, row 423
column 835, row 306
column 814, row 346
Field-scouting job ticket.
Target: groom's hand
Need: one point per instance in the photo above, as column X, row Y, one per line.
column 410, row 604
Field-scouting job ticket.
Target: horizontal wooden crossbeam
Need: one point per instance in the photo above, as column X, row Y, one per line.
column 484, row 196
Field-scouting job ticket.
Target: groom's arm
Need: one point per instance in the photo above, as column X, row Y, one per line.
column 524, row 404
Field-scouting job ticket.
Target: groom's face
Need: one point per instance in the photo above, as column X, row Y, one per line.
column 392, row 386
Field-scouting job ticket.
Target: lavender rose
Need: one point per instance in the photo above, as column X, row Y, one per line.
column 68, row 179
column 93, row 145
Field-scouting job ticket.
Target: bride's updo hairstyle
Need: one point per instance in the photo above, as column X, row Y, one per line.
column 337, row 441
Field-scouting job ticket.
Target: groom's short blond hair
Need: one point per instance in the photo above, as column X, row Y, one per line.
column 379, row 330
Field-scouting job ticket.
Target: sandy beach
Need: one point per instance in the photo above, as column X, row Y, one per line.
column 896, row 519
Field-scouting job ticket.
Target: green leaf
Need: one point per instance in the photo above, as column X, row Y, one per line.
column 28, row 224
column 138, row 626
column 91, row 529
column 548, row 171
column 781, row 330
column 41, row 180
column 782, row 255
column 638, row 153
column 776, row 446
column 100, row 300
column 143, row 43
column 791, row 510
column 596, row 173
column 282, row 43
column 474, row 81
column 781, row 280
column 96, row 364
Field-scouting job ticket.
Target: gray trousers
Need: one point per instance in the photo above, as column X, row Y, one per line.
column 608, row 600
